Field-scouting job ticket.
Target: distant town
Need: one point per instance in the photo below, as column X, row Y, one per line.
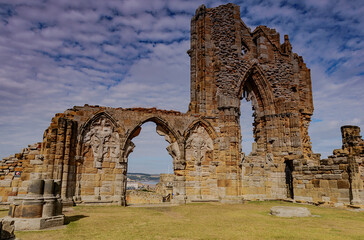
column 139, row 181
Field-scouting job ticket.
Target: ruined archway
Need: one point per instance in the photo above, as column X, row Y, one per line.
column 255, row 88
column 228, row 62
column 259, row 164
column 164, row 129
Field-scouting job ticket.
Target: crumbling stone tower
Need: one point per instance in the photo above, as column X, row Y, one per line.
column 230, row 62
column 87, row 148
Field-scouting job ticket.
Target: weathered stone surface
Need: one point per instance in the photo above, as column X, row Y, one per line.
column 285, row 211
column 40, row 208
column 25, row 224
column 7, row 229
column 86, row 148
column 141, row 197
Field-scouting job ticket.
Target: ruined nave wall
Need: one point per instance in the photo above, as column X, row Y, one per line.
column 88, row 147
column 230, row 62
column 339, row 179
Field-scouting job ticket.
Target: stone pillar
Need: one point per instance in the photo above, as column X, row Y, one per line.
column 49, row 199
column 351, row 139
column 353, row 145
column 52, row 152
column 57, row 194
column 32, row 206
column 40, row 208
column 179, row 189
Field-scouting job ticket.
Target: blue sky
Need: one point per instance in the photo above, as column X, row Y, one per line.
column 118, row 53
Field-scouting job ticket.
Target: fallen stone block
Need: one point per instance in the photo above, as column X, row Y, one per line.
column 7, row 229
column 285, row 211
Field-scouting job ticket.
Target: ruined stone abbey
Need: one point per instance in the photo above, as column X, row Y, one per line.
column 86, row 148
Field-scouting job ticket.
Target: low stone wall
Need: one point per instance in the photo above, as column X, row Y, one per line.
column 27, row 164
column 165, row 185
column 142, row 197
column 328, row 182
column 339, row 179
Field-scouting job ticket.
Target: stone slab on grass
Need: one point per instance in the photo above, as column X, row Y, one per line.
column 284, row 211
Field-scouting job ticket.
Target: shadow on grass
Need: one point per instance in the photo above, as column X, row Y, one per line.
column 69, row 219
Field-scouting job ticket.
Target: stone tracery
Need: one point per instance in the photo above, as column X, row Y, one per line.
column 103, row 141
column 198, row 143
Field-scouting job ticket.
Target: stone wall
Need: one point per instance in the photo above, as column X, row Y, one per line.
column 230, row 62
column 87, row 147
column 339, row 179
column 28, row 163
column 165, row 185
column 143, row 197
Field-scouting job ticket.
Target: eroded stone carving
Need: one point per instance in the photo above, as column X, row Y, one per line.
column 198, row 144
column 103, row 140
column 173, row 148
column 242, row 159
column 129, row 147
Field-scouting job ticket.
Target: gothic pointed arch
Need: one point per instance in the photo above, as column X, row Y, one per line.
column 95, row 117
column 255, row 87
column 200, row 122
column 164, row 129
column 256, row 84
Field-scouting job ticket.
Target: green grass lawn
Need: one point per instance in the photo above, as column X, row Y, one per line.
column 203, row 221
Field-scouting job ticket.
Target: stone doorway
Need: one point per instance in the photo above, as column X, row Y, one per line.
column 289, row 178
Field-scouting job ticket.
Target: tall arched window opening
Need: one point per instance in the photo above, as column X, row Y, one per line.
column 246, row 125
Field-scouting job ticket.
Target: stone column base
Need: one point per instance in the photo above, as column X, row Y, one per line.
column 22, row 224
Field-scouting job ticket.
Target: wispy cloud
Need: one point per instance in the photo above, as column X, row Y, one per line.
column 127, row 53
